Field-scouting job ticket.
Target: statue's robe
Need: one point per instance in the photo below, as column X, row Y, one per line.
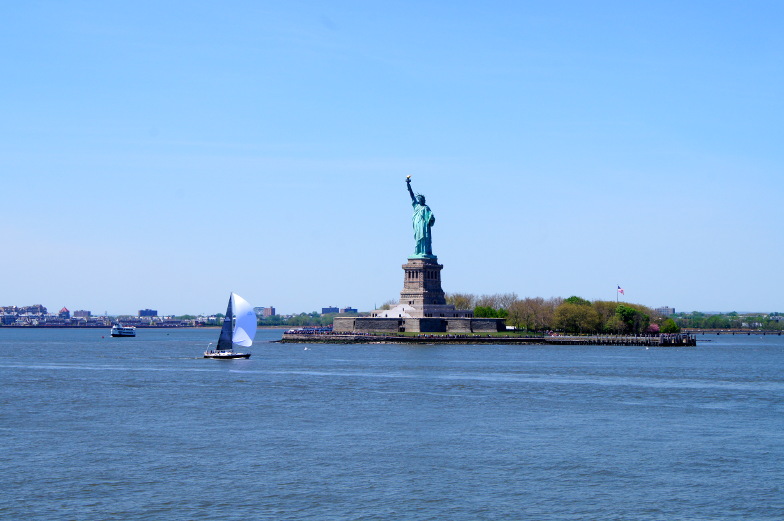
column 422, row 220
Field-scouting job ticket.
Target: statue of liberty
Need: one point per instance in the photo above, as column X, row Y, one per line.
column 423, row 219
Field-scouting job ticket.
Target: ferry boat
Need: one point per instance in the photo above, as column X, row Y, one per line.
column 119, row 330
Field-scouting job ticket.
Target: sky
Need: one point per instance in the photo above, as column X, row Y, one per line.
column 164, row 154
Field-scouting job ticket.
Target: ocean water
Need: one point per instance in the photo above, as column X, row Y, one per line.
column 96, row 428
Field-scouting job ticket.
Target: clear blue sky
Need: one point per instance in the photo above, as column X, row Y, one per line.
column 162, row 154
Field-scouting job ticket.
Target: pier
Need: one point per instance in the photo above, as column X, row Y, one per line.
column 762, row 332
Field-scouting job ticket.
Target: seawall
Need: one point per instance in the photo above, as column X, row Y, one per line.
column 599, row 340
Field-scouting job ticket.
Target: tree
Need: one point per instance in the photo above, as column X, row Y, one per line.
column 545, row 313
column 483, row 311
column 717, row 322
column 606, row 310
column 615, row 325
column 670, row 326
column 488, row 312
column 461, row 300
column 577, row 318
column 273, row 320
column 635, row 320
column 577, row 300
column 505, row 300
column 496, row 300
column 532, row 313
column 487, row 301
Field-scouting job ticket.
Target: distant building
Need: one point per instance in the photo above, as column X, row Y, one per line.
column 82, row 314
column 37, row 309
column 330, row 309
column 665, row 311
column 148, row 312
column 348, row 310
column 264, row 312
column 64, row 313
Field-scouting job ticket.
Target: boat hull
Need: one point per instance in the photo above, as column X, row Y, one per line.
column 120, row 331
column 226, row 356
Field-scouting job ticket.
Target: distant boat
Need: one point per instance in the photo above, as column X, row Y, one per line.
column 239, row 328
column 120, row 330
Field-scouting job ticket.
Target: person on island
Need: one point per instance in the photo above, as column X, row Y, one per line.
column 422, row 220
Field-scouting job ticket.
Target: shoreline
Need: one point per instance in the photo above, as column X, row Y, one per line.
column 460, row 339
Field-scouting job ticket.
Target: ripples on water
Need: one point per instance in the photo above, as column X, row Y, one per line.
column 99, row 428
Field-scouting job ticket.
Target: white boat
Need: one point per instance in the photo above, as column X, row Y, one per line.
column 120, row 330
column 239, row 328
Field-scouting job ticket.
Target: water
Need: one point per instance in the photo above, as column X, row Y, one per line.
column 96, row 428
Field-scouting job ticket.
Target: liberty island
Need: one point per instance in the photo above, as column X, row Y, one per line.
column 422, row 309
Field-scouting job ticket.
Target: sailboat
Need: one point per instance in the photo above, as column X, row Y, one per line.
column 239, row 327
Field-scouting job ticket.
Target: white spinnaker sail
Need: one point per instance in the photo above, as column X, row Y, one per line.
column 245, row 324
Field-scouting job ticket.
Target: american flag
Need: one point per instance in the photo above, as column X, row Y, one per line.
column 620, row 290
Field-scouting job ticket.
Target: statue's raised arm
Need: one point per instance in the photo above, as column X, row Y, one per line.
column 408, row 185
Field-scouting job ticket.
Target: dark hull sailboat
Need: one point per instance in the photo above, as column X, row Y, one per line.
column 239, row 327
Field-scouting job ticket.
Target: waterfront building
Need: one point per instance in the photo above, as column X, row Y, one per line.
column 331, row 309
column 148, row 312
column 665, row 311
column 81, row 313
column 349, row 310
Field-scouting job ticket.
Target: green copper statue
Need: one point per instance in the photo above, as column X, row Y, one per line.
column 423, row 219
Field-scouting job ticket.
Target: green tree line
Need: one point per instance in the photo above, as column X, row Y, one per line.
column 733, row 320
column 574, row 315
column 312, row 319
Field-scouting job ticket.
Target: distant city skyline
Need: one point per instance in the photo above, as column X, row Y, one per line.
column 564, row 148
column 271, row 310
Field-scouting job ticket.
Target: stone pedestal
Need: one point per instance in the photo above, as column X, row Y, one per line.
column 422, row 296
column 422, row 283
column 422, row 307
